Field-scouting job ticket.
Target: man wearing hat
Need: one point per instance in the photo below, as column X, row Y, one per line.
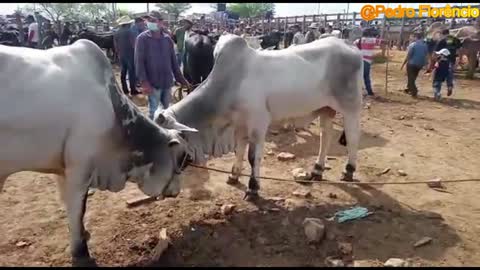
column 312, row 33
column 156, row 63
column 124, row 42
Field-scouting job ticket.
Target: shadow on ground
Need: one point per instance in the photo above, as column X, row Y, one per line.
column 272, row 235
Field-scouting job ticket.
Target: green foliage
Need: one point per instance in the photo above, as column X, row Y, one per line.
column 246, row 10
column 174, row 8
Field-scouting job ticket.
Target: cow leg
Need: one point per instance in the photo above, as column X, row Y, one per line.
column 326, row 124
column 352, row 133
column 255, row 154
column 75, row 197
column 240, row 147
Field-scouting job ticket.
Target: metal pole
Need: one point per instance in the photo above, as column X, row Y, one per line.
column 148, row 7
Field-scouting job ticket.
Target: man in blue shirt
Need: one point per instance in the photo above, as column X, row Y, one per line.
column 156, row 63
column 138, row 27
column 416, row 59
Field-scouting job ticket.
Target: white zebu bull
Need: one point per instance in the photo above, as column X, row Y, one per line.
column 61, row 112
column 248, row 89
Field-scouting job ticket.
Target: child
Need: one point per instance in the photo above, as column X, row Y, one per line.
column 440, row 73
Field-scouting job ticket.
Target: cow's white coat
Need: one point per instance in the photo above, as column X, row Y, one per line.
column 249, row 89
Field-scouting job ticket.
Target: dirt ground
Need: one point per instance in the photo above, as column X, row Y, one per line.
column 423, row 138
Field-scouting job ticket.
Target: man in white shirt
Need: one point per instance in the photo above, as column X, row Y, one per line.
column 298, row 37
column 33, row 35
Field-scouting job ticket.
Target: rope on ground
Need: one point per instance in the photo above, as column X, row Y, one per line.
column 336, row 182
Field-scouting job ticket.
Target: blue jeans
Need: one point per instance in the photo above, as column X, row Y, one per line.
column 180, row 58
column 158, row 96
column 128, row 66
column 366, row 78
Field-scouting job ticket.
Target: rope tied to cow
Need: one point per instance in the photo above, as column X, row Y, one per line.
column 337, row 182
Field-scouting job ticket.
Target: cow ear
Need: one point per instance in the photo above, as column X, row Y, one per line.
column 159, row 117
column 173, row 142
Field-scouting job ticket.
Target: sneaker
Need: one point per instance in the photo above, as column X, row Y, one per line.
column 449, row 91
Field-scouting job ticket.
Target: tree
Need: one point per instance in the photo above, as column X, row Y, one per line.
column 56, row 11
column 174, row 8
column 249, row 10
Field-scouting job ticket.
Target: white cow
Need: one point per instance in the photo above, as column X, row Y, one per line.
column 248, row 89
column 61, row 112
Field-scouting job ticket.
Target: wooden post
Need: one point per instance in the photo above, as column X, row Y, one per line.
column 278, row 23
column 325, row 20
column 354, row 17
column 285, row 25
column 18, row 19
column 303, row 23
column 400, row 38
column 263, row 27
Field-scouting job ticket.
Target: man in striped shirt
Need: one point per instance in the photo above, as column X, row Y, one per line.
column 367, row 44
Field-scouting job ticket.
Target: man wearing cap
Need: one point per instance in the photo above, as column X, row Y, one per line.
column 155, row 62
column 298, row 38
column 124, row 42
column 312, row 33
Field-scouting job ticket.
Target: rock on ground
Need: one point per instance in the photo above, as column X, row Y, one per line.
column 299, row 174
column 284, row 156
column 396, row 262
column 314, row 230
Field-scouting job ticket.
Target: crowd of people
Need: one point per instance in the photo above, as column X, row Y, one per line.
column 441, row 66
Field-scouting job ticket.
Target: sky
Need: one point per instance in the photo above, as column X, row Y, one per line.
column 281, row 9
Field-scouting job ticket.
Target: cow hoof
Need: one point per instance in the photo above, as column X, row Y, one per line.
column 84, row 262
column 251, row 195
column 232, row 180
column 347, row 177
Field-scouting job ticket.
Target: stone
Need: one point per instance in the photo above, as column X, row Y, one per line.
column 22, row 244
column 402, row 154
column 345, row 248
column 299, row 174
column 402, row 173
column 284, row 156
column 395, row 262
column 162, row 245
column 227, row 209
column 270, row 152
column 277, row 199
column 295, row 203
column 90, row 192
column 428, row 127
column 422, row 242
column 314, row 230
column 363, row 263
column 329, row 261
column 304, row 193
column 386, row 170
column 435, row 183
